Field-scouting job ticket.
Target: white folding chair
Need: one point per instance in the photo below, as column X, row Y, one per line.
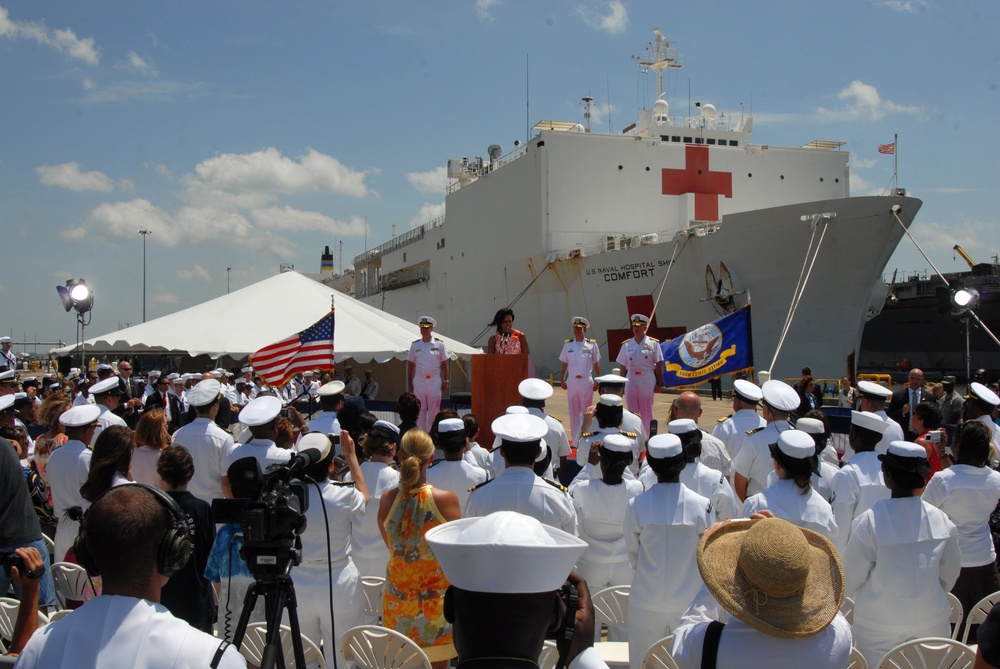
column 549, row 655
column 59, row 615
column 857, row 660
column 658, row 656
column 374, row 647
column 847, row 609
column 8, row 618
column 611, row 606
column 71, row 582
column 957, row 613
column 978, row 613
column 373, row 588
column 929, row 653
column 51, row 545
column 255, row 640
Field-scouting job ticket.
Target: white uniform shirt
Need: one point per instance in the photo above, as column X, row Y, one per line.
column 457, row 476
column 754, row 461
column 555, row 438
column 712, row 484
column 479, row 454
column 640, row 357
column 901, row 560
column 368, row 545
column 807, row 510
column 994, row 429
column 856, row 487
column 427, row 357
column 892, row 433
column 325, row 423
column 600, row 511
column 584, row 442
column 968, row 495
column 67, row 470
column 345, row 506
column 265, row 451
column 733, row 430
column 209, row 446
column 519, row 489
column 106, row 420
column 580, row 358
column 823, row 484
column 116, row 631
column 662, row 528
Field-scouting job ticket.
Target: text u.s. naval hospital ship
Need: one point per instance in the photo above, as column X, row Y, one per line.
column 683, row 212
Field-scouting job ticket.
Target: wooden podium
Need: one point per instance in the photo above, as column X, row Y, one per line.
column 494, row 388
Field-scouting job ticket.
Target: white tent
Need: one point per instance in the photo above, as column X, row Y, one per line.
column 246, row 320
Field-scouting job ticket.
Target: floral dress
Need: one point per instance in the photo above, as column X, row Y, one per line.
column 508, row 343
column 413, row 603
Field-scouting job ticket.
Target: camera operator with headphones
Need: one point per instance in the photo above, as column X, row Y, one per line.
column 135, row 537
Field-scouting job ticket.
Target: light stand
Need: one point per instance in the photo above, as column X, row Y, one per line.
column 77, row 295
column 144, row 233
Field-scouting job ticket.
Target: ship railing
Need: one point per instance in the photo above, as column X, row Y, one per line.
column 475, row 171
column 398, row 242
column 617, row 241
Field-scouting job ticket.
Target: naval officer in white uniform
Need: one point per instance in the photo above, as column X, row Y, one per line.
column 581, row 363
column 753, row 463
column 642, row 364
column 427, row 371
column 67, row 470
column 208, row 444
column 733, row 429
column 859, row 484
column 107, row 399
column 980, row 406
column 455, row 472
column 260, row 416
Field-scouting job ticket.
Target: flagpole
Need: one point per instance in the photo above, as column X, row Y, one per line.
column 895, row 159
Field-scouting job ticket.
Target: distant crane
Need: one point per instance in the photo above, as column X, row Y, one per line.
column 965, row 256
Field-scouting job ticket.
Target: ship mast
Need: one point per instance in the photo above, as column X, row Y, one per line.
column 660, row 55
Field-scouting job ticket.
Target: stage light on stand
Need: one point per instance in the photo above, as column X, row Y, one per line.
column 77, row 295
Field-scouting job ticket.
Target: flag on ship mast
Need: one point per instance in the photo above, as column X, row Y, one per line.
column 890, row 149
column 723, row 346
column 309, row 349
column 887, row 148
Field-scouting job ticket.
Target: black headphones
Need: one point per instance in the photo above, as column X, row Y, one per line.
column 175, row 546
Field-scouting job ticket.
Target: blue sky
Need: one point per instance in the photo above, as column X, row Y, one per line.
column 247, row 134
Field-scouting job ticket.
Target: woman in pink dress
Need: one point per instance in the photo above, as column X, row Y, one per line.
column 507, row 340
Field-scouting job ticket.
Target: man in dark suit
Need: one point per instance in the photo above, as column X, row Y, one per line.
column 130, row 406
column 160, row 399
column 906, row 399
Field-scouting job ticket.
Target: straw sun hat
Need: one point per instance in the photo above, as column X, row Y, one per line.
column 777, row 578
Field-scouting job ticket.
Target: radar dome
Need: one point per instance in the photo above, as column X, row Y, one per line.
column 661, row 108
column 578, row 128
column 708, row 112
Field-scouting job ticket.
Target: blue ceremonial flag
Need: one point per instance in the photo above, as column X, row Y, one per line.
column 721, row 347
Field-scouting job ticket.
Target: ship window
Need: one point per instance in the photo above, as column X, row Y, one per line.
column 836, row 181
column 442, row 239
column 782, row 177
column 675, row 138
column 664, row 138
column 687, row 140
column 750, row 175
column 699, row 140
column 733, row 142
column 404, row 256
column 821, row 179
column 647, row 168
column 711, row 140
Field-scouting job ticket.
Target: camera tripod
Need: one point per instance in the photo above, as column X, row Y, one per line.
column 279, row 596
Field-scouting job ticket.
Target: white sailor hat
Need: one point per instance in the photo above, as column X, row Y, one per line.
column 519, row 427
column 542, row 450
column 55, row 386
column 385, row 429
column 308, row 372
column 981, row 392
column 780, row 396
column 618, row 443
column 748, row 391
column 518, row 409
column 217, row 373
column 9, row 376
column 796, row 444
column 247, row 369
column 810, row 425
column 535, row 389
column 873, row 390
column 155, row 372
column 260, row 411
column 664, row 446
column 331, row 388
column 81, row 382
column 7, row 402
column 73, row 374
column 204, row 392
column 427, row 322
column 177, row 379
column 5, row 340
column 640, row 319
column 869, row 421
column 104, row 367
column 80, row 416
column 682, row 426
column 173, row 376
column 611, row 380
column 610, row 400
column 906, row 449
column 105, row 386
column 241, row 381
column 476, row 553
column 451, row 425
column 580, row 321
column 906, row 456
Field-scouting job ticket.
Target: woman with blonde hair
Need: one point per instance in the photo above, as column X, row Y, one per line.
column 151, row 438
column 415, row 585
column 48, row 415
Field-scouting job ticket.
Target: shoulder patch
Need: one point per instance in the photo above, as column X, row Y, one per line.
column 344, row 483
column 588, row 434
column 566, row 341
column 592, row 341
column 630, row 435
column 438, row 339
column 724, row 418
column 625, row 341
column 477, row 487
column 554, row 484
column 415, row 341
column 755, row 430
column 653, row 339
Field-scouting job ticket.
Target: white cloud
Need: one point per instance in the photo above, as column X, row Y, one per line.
column 906, row 6
column 428, row 212
column 611, row 17
column 863, row 164
column 433, row 182
column 164, row 298
column 144, row 91
column 89, row 84
column 861, row 186
column 195, row 273
column 947, row 190
column 69, row 176
column 64, row 41
column 288, row 218
column 483, row 8
column 139, row 64
column 971, row 235
column 863, row 102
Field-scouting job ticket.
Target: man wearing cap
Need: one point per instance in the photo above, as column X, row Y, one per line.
column 352, row 383
column 454, row 472
column 734, row 428
column 261, row 417
column 175, row 396
column 614, row 384
column 642, row 364
column 859, row 485
column 534, row 392
column 208, row 443
column 8, row 382
column 517, row 488
column 950, row 402
column 107, row 399
column 370, row 388
column 331, row 399
column 753, row 463
column 906, row 399
column 781, row 586
column 67, row 470
column 426, row 371
column 7, row 357
column 151, row 381
column 475, row 555
column 581, row 362
column 873, row 398
column 980, row 405
column 608, row 412
column 713, row 452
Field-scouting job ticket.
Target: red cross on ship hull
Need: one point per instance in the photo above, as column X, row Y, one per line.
column 697, row 179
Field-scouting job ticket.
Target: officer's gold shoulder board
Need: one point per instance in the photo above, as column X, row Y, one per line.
column 725, row 418
column 554, row 484
column 587, row 434
column 755, row 430
column 477, row 487
column 344, row 483
column 653, row 339
column 439, row 339
column 566, row 341
column 625, row 341
column 630, row 435
column 592, row 341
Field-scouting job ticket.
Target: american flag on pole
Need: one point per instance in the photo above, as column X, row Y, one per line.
column 887, row 148
column 310, row 349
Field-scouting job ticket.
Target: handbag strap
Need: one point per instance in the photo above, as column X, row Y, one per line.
column 710, row 647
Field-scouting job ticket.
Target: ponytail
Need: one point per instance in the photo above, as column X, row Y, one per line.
column 415, row 450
